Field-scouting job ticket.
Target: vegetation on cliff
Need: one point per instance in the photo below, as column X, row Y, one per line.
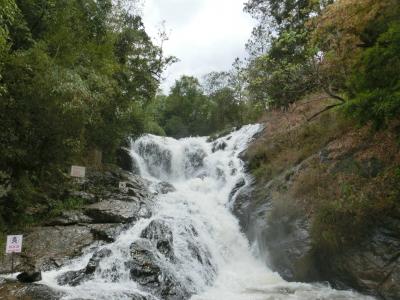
column 349, row 50
column 343, row 177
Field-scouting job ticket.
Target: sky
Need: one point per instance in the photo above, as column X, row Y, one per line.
column 205, row 35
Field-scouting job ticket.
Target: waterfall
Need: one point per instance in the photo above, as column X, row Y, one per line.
column 192, row 240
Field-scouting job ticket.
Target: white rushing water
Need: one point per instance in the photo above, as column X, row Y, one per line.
column 198, row 214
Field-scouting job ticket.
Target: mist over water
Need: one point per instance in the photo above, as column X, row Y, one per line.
column 212, row 258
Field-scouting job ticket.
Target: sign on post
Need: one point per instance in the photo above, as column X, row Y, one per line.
column 78, row 171
column 14, row 244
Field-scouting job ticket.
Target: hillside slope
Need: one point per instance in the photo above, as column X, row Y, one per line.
column 325, row 201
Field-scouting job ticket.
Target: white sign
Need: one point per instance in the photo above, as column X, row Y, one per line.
column 14, row 244
column 77, row 171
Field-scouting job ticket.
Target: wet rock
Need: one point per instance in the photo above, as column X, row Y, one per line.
column 68, row 218
column 95, row 260
column 219, row 145
column 165, row 188
column 125, row 161
column 29, row 277
column 157, row 158
column 116, row 211
column 143, row 266
column 102, row 184
column 373, row 266
column 12, row 290
column 290, row 248
column 220, row 174
column 72, row 278
column 49, row 247
column 241, row 183
column 194, row 160
column 107, row 232
column 161, row 236
column 75, row 278
column 146, row 270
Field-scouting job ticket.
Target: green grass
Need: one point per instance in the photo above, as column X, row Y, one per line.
column 70, row 203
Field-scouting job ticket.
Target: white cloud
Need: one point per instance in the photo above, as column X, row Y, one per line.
column 205, row 35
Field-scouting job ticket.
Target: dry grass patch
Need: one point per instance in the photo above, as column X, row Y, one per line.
column 345, row 191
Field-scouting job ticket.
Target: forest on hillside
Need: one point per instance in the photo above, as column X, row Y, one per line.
column 83, row 75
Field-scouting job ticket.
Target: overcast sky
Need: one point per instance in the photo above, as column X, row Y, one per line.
column 205, row 35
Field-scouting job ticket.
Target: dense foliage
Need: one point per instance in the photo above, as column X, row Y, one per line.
column 348, row 48
column 75, row 76
column 217, row 104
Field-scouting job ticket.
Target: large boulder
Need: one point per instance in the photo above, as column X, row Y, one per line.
column 117, row 211
column 143, row 266
column 29, row 277
column 107, row 232
column 65, row 236
column 45, row 248
column 161, row 236
column 147, row 270
column 125, row 161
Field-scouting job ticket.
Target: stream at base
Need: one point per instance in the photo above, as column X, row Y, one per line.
column 192, row 244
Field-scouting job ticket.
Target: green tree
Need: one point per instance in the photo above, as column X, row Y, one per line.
column 376, row 82
column 75, row 76
column 187, row 109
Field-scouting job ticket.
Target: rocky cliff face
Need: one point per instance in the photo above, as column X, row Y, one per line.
column 109, row 212
column 281, row 214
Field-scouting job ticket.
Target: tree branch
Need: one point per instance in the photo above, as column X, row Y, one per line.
column 324, row 110
column 328, row 90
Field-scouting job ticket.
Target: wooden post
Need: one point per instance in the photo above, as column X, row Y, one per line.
column 12, row 263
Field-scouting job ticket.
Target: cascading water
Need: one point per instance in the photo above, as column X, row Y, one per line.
column 199, row 248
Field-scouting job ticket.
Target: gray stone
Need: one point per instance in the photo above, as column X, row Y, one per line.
column 114, row 211
column 165, row 188
column 161, row 236
column 241, row 183
column 146, row 270
column 95, row 260
column 143, row 266
column 29, row 277
column 373, row 266
column 107, row 232
column 74, row 278
column 13, row 290
column 50, row 247
column 70, row 218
